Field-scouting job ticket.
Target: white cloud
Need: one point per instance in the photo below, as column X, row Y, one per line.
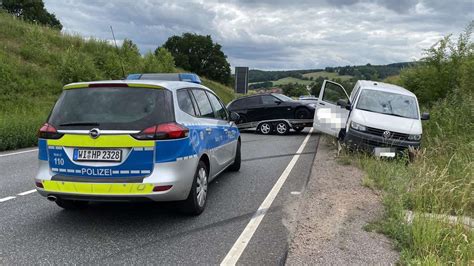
column 278, row 34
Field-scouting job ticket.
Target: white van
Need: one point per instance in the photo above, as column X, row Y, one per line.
column 377, row 117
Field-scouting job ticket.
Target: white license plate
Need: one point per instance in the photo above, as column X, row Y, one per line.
column 384, row 152
column 97, row 155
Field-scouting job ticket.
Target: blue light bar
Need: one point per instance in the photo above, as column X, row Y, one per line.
column 188, row 77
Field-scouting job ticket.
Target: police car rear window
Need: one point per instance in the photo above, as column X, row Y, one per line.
column 112, row 108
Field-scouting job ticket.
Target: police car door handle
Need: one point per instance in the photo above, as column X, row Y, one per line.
column 208, row 129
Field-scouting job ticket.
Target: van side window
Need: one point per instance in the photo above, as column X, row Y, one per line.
column 184, row 102
column 219, row 110
column 203, row 103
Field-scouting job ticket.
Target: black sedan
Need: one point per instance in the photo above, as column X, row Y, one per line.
column 271, row 106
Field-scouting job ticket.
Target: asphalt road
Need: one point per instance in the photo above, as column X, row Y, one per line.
column 36, row 231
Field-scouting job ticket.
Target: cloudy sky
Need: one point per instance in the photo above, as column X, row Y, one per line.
column 279, row 34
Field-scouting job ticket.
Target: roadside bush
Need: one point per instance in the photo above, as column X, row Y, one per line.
column 440, row 71
column 77, row 66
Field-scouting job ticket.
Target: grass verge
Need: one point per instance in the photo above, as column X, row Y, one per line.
column 440, row 181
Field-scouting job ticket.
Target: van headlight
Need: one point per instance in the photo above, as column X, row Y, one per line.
column 414, row 137
column 358, row 126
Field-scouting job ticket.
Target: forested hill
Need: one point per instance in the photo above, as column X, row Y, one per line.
column 372, row 72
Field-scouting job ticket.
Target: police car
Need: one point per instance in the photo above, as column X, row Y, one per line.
column 136, row 139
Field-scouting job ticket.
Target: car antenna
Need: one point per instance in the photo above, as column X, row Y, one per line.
column 116, row 47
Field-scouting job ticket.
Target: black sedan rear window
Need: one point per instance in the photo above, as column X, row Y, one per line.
column 112, row 108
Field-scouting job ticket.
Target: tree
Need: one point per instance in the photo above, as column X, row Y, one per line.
column 199, row 54
column 31, row 10
column 294, row 89
column 131, row 57
column 165, row 60
column 162, row 62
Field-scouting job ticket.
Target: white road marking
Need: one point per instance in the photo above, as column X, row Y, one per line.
column 18, row 152
column 6, row 198
column 239, row 246
column 27, row 192
column 295, row 192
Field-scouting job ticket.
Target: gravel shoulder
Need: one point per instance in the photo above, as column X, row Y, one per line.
column 333, row 211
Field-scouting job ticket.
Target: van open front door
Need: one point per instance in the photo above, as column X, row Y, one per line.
column 331, row 113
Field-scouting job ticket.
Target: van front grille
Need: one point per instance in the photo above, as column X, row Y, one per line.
column 394, row 135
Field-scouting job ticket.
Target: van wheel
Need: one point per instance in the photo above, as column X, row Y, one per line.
column 196, row 201
column 282, row 128
column 71, row 204
column 265, row 128
column 236, row 165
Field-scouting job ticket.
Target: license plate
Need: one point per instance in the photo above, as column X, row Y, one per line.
column 385, row 152
column 97, row 155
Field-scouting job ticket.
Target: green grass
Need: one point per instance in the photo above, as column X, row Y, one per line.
column 289, row 80
column 36, row 61
column 224, row 92
column 327, row 75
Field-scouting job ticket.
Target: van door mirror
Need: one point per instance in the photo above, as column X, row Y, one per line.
column 344, row 104
column 278, row 102
column 425, row 116
column 234, row 116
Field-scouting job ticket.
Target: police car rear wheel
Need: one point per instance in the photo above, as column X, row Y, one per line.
column 196, row 201
column 71, row 204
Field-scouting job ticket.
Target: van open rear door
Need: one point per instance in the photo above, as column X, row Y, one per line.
column 330, row 117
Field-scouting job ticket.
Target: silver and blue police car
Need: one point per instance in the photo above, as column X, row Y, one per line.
column 158, row 137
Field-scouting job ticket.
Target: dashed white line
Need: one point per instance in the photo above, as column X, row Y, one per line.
column 15, row 153
column 27, row 192
column 239, row 246
column 6, row 198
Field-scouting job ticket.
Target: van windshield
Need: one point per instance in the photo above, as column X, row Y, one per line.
column 112, row 108
column 388, row 103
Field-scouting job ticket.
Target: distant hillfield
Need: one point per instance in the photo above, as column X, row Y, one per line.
column 265, row 79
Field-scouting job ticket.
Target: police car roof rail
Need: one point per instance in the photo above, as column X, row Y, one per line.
column 189, row 77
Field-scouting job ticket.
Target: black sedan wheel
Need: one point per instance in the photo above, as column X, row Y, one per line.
column 302, row 113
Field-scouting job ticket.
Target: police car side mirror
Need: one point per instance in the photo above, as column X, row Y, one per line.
column 234, row 116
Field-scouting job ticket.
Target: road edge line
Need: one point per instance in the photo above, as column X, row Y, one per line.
column 241, row 243
column 19, row 152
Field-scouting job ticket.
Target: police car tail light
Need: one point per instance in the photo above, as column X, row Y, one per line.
column 47, row 131
column 163, row 131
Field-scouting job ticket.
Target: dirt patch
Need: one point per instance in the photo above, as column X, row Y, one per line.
column 334, row 210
